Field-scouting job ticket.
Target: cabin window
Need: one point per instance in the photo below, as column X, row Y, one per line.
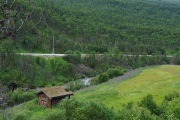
column 44, row 97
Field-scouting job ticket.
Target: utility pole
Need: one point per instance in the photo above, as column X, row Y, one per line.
column 53, row 46
column 0, row 61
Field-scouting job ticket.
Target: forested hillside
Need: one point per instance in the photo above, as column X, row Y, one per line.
column 130, row 26
column 147, row 29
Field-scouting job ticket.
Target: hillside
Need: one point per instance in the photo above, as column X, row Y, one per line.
column 130, row 33
column 158, row 81
column 129, row 26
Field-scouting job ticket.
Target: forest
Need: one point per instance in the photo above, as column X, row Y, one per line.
column 100, row 26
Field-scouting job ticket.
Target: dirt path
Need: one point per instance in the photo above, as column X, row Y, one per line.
column 127, row 75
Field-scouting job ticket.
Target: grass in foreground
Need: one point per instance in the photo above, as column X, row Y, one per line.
column 158, row 81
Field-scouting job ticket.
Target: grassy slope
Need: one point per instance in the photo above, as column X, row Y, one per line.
column 158, row 81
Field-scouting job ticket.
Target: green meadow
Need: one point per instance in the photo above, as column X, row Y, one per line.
column 156, row 80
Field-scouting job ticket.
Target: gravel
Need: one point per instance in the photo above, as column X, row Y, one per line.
column 128, row 74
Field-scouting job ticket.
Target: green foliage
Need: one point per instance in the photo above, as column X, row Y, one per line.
column 23, row 115
column 6, row 46
column 114, row 72
column 170, row 106
column 130, row 112
column 99, row 111
column 177, row 112
column 56, row 114
column 103, row 77
column 73, row 57
column 148, row 102
column 34, row 71
column 94, row 80
column 19, row 96
column 171, row 96
column 78, row 110
column 75, row 85
column 78, row 27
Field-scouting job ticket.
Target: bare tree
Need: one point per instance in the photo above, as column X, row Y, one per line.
column 12, row 21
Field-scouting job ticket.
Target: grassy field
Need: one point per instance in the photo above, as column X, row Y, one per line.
column 157, row 80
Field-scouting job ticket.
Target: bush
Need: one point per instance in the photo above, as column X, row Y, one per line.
column 23, row 115
column 177, row 112
column 148, row 102
column 134, row 114
column 56, row 114
column 103, row 77
column 94, row 80
column 114, row 72
column 97, row 111
column 20, row 116
column 171, row 96
column 75, row 85
column 79, row 110
column 79, row 114
column 20, row 96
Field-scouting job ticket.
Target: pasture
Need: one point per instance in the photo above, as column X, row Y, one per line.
column 156, row 80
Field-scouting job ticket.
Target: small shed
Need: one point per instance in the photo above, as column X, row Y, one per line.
column 52, row 95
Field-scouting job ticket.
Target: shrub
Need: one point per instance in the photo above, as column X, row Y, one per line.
column 114, row 72
column 69, row 105
column 79, row 114
column 177, row 112
column 97, row 111
column 171, row 96
column 79, row 110
column 103, row 77
column 94, row 80
column 131, row 112
column 22, row 115
column 148, row 102
column 56, row 114
column 20, row 96
column 75, row 85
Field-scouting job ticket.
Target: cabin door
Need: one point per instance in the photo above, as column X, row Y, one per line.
column 43, row 100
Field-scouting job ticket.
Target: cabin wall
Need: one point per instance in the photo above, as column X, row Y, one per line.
column 44, row 100
column 57, row 100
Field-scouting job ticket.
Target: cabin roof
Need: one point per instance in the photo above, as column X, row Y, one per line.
column 54, row 92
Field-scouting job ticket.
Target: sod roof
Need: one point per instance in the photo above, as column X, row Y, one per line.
column 55, row 91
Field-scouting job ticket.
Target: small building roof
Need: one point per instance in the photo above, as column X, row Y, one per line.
column 54, row 92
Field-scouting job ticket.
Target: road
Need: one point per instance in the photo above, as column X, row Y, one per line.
column 43, row 54
column 83, row 55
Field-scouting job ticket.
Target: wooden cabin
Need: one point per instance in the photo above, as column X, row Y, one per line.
column 52, row 95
